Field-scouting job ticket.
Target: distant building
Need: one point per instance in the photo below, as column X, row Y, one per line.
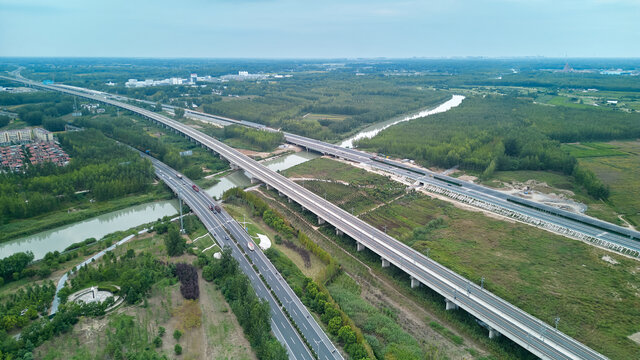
column 193, row 78
column 567, row 68
column 19, row 136
column 243, row 73
column 41, row 134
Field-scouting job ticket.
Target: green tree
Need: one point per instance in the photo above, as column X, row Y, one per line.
column 177, row 334
column 174, row 242
column 334, row 325
column 179, row 112
column 177, row 349
column 157, row 341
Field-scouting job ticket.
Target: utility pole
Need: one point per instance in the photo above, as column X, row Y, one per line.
column 557, row 320
column 385, row 228
column 181, row 222
column 482, row 283
column 428, row 252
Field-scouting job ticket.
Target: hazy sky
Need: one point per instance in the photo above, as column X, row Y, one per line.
column 335, row 28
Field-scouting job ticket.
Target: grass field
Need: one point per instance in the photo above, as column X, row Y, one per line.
column 621, row 173
column 330, row 117
column 584, row 150
column 354, row 190
column 545, row 274
column 542, row 273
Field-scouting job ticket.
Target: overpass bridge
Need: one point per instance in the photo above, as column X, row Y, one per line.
column 499, row 316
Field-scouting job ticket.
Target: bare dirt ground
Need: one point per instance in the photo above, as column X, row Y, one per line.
column 262, row 155
column 543, row 193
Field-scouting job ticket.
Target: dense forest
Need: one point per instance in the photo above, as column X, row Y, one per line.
column 246, row 138
column 492, row 133
column 166, row 148
column 39, row 108
column 355, row 100
column 98, row 164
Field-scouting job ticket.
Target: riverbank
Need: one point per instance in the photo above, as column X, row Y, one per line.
column 21, row 228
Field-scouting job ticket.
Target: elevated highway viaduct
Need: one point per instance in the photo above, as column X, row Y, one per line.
column 499, row 316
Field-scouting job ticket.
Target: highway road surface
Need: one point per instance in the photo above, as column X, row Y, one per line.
column 529, row 332
column 224, row 228
column 596, row 231
column 604, row 234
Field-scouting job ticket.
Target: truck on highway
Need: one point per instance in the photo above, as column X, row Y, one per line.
column 217, row 208
column 195, row 188
column 179, row 176
column 250, row 245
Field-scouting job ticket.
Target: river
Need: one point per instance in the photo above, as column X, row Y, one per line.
column 97, row 227
column 373, row 130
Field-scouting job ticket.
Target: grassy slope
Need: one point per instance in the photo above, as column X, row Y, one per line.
column 545, row 274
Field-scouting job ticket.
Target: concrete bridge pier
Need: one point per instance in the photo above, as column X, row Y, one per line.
column 385, row 262
column 359, row 246
column 269, row 187
column 493, row 333
column 289, row 200
column 414, row 282
column 450, row 305
column 320, row 220
column 280, row 193
column 339, row 232
column 234, row 166
column 254, row 180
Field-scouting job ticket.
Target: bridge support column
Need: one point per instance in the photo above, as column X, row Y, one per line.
column 339, row 232
column 254, row 180
column 493, row 333
column 385, row 263
column 359, row 246
column 280, row 193
column 414, row 282
column 450, row 305
column 289, row 200
column 269, row 187
column 320, row 220
column 234, row 166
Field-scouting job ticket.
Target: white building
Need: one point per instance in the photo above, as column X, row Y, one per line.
column 41, row 134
